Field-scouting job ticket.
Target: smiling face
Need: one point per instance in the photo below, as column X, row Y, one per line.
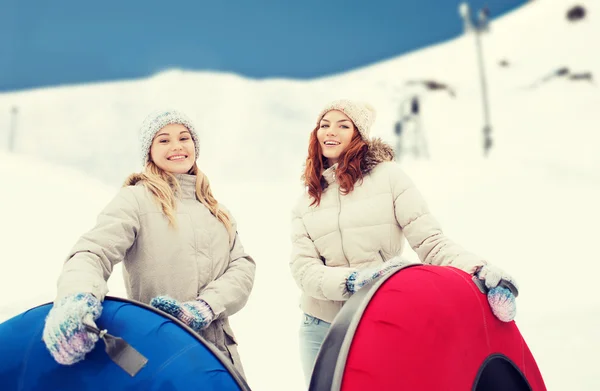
column 173, row 149
column 334, row 134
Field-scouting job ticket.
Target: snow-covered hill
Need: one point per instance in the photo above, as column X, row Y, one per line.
column 531, row 207
column 82, row 125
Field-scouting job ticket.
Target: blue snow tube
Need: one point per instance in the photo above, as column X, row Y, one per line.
column 178, row 358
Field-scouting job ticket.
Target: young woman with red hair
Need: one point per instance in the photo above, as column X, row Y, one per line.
column 348, row 229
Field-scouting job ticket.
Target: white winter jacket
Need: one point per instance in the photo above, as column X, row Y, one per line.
column 364, row 228
column 198, row 258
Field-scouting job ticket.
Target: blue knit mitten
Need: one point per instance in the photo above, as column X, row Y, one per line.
column 196, row 314
column 360, row 278
column 503, row 290
column 65, row 334
column 503, row 303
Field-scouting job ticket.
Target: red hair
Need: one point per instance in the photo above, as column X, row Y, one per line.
column 348, row 172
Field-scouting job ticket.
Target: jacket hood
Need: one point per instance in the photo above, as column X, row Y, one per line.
column 379, row 151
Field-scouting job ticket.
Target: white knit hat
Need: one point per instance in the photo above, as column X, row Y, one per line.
column 158, row 120
column 361, row 113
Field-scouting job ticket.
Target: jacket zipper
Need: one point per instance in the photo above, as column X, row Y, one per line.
column 340, row 227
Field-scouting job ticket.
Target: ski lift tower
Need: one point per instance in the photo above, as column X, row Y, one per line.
column 481, row 26
column 409, row 129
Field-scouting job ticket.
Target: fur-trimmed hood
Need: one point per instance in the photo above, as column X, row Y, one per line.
column 378, row 152
column 136, row 178
column 133, row 179
column 183, row 185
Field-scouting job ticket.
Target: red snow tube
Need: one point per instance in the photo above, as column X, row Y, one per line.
column 424, row 328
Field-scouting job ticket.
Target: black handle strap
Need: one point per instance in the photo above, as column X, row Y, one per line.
column 119, row 351
column 503, row 283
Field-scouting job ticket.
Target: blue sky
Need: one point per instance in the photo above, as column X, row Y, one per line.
column 65, row 42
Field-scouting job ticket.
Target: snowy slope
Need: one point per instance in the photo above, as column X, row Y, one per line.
column 44, row 209
column 531, row 207
column 84, row 124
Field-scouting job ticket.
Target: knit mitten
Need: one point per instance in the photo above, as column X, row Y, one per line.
column 503, row 290
column 196, row 314
column 360, row 278
column 503, row 303
column 65, row 334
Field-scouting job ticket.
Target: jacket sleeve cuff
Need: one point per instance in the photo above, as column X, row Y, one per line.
column 213, row 302
column 98, row 289
column 334, row 283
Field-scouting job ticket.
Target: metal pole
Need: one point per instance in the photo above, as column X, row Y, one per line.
column 12, row 135
column 487, row 127
column 478, row 28
column 465, row 13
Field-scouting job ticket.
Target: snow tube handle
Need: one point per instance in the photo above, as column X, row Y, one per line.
column 120, row 352
column 503, row 283
column 508, row 285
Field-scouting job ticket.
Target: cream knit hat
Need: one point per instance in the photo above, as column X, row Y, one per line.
column 361, row 113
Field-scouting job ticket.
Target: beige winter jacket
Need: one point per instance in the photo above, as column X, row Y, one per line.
column 197, row 259
column 361, row 229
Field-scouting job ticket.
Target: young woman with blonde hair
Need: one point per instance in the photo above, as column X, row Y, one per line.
column 348, row 228
column 180, row 249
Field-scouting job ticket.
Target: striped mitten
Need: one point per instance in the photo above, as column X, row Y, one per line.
column 196, row 314
column 360, row 278
column 65, row 334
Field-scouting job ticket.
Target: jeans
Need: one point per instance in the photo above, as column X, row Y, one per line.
column 312, row 334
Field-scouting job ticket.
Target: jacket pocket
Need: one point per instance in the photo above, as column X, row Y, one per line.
column 229, row 336
column 383, row 258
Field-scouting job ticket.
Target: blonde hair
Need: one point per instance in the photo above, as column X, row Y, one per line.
column 163, row 186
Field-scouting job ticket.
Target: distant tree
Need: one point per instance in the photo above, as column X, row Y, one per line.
column 576, row 13
column 582, row 76
column 504, row 63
